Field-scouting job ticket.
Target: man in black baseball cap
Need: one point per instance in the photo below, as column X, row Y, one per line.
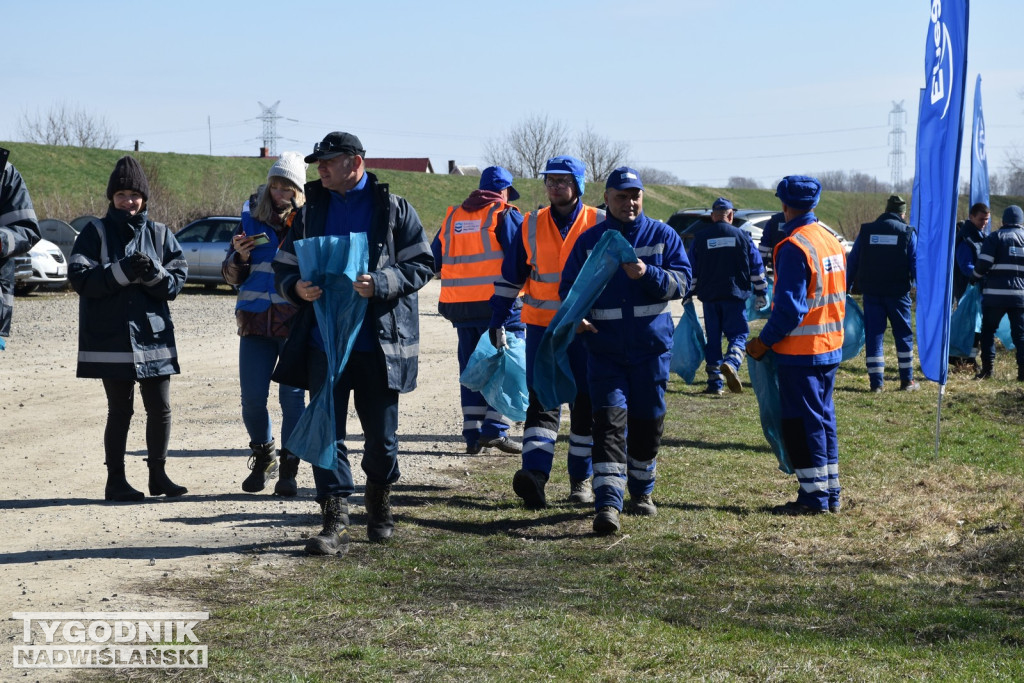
column 335, row 144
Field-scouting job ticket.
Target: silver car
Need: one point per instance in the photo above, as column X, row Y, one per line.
column 205, row 243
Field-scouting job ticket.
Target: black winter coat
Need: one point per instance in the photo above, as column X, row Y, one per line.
column 124, row 326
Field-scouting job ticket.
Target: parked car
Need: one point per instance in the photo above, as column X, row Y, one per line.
column 48, row 267
column 205, row 244
column 22, row 268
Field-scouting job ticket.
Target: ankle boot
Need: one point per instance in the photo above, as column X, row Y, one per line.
column 159, row 483
column 379, row 522
column 263, row 465
column 118, row 490
column 286, row 484
column 333, row 538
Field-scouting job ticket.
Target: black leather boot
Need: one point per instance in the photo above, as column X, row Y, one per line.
column 333, row 538
column 379, row 523
column 286, row 484
column 118, row 490
column 159, row 483
column 263, row 465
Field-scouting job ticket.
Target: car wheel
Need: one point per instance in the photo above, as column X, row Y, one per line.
column 24, row 290
column 209, row 285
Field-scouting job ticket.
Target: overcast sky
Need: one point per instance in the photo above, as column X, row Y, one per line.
column 704, row 90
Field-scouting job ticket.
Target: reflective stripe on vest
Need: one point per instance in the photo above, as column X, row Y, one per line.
column 470, row 254
column 821, row 329
column 546, row 252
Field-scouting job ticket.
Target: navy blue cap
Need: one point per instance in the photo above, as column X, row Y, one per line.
column 496, row 179
column 623, row 178
column 800, row 192
column 721, row 204
column 1013, row 215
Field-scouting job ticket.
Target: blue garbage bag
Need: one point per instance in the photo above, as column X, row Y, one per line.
column 965, row 322
column 754, row 313
column 553, row 382
column 853, row 329
column 331, row 263
column 764, row 376
column 688, row 343
column 500, row 376
column 1003, row 333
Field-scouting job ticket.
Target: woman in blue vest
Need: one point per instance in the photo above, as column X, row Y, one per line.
column 263, row 321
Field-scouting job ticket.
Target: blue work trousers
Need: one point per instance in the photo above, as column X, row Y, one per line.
column 878, row 310
column 365, row 378
column 727, row 317
column 628, row 396
column 479, row 420
column 991, row 316
column 808, row 422
column 257, row 356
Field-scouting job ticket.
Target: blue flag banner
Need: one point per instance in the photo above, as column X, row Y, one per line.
column 979, row 160
column 939, row 136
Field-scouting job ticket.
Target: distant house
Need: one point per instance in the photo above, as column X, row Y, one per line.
column 417, row 165
column 455, row 169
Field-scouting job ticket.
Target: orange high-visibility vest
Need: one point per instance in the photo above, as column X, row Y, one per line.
column 821, row 330
column 546, row 253
column 470, row 253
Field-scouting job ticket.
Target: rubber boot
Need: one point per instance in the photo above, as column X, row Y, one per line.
column 333, row 538
column 263, row 465
column 986, row 369
column 286, row 485
column 159, row 483
column 118, row 490
column 379, row 523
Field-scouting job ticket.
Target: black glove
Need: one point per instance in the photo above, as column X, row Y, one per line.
column 497, row 337
column 135, row 265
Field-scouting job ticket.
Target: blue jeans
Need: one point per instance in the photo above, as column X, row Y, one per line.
column 257, row 356
column 365, row 377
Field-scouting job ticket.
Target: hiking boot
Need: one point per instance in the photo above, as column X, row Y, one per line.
column 263, row 465
column 580, row 491
column 159, row 483
column 795, row 509
column 289, row 467
column 607, row 521
column 503, row 444
column 644, row 506
column 333, row 538
column 909, row 385
column 714, row 391
column 380, row 525
column 118, row 490
column 529, row 485
column 731, row 378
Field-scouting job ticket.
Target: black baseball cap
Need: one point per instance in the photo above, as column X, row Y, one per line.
column 334, row 145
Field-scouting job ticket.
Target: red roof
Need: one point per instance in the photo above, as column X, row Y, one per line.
column 420, row 165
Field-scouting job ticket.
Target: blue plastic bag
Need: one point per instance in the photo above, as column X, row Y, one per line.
column 964, row 323
column 553, row 382
column 688, row 344
column 853, row 329
column 754, row 313
column 331, row 263
column 500, row 376
column 764, row 377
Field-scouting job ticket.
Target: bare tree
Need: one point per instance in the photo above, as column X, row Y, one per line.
column 599, row 154
column 67, row 126
column 740, row 183
column 656, row 176
column 527, row 146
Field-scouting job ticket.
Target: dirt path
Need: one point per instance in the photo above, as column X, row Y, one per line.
column 64, row 549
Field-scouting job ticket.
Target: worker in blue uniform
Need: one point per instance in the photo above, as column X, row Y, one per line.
column 628, row 337
column 726, row 267
column 805, row 331
column 970, row 233
column 883, row 263
column 771, row 236
column 1001, row 265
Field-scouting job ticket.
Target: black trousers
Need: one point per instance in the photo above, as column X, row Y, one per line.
column 156, row 398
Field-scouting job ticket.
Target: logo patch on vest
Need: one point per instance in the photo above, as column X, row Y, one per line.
column 833, row 264
column 721, row 242
column 466, row 227
column 1016, row 251
column 890, row 240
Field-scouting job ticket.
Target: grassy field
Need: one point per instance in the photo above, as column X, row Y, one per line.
column 66, row 182
column 919, row 578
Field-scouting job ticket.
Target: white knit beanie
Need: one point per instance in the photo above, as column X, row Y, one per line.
column 291, row 166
